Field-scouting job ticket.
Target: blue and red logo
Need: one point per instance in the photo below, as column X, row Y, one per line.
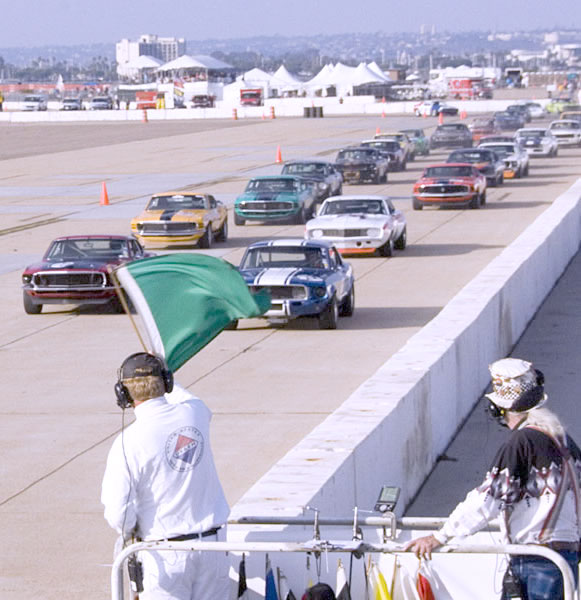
column 184, row 448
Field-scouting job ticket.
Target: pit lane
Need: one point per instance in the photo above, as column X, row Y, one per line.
column 267, row 387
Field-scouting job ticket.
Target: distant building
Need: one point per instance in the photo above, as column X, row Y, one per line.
column 164, row 49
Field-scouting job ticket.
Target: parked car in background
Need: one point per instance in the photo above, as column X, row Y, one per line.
column 35, row 102
column 182, row 218
column 451, row 135
column 275, row 198
column 537, row 141
column 420, row 141
column 486, row 161
column 567, row 132
column 328, row 179
column 509, row 121
column 362, row 163
column 392, row 150
column 101, row 103
column 515, row 158
column 71, row 104
column 202, row 101
column 305, row 278
column 450, row 185
column 76, row 270
column 360, row 224
column 433, row 108
column 482, row 126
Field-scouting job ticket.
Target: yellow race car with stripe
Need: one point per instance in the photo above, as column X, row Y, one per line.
column 182, row 218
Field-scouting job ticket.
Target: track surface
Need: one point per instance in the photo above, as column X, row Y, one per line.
column 267, row 387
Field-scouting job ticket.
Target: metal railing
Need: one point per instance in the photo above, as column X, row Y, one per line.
column 356, row 546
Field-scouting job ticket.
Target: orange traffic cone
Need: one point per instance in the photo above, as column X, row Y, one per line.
column 377, row 131
column 383, row 114
column 104, row 196
column 144, row 116
column 463, row 115
column 440, row 118
column 278, row 155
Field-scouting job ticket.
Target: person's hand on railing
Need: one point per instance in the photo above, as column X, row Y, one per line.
column 422, row 547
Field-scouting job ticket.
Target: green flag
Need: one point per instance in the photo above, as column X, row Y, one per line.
column 185, row 300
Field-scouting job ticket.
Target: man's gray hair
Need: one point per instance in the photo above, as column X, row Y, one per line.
column 547, row 421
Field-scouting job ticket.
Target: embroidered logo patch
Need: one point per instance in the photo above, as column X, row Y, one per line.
column 184, row 448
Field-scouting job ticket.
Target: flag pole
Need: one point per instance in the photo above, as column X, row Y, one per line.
column 125, row 306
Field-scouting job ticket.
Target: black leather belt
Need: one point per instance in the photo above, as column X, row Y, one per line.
column 563, row 546
column 193, row 536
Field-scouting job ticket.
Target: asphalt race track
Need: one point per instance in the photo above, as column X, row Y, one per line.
column 268, row 387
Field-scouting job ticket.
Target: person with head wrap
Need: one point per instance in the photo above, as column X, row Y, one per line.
column 532, row 484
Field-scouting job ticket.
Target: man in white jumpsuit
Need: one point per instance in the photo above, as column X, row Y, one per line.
column 161, row 483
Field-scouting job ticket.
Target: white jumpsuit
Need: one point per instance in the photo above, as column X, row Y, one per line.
column 161, row 482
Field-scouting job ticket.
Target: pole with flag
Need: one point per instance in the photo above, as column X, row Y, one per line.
column 242, row 587
column 269, row 584
column 184, row 301
column 284, row 590
column 342, row 591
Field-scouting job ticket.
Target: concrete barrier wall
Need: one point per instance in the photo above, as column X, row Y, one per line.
column 392, row 428
column 283, row 107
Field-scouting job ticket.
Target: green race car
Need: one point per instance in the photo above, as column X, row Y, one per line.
column 421, row 142
column 275, row 198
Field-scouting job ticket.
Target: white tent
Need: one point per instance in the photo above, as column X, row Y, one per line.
column 144, row 62
column 255, row 75
column 374, row 68
column 363, row 74
column 282, row 76
column 322, row 78
column 181, row 63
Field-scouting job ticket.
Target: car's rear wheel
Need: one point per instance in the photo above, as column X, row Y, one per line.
column 222, row 235
column 348, row 305
column 403, row 166
column 483, row 198
column 402, row 240
column 208, row 237
column 387, row 248
column 417, row 205
column 330, row 316
column 30, row 308
column 526, row 171
column 238, row 220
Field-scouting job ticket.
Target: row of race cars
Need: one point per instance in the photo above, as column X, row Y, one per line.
column 305, row 277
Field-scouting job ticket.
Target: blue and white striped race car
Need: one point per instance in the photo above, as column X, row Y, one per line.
column 304, row 278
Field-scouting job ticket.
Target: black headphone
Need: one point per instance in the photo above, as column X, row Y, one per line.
column 159, row 369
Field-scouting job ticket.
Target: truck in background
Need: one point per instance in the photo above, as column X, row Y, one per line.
column 251, row 97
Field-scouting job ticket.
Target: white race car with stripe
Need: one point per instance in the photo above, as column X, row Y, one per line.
column 303, row 277
column 359, row 224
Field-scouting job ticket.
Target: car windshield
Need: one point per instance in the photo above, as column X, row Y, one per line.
column 473, row 156
column 455, row 171
column 32, row 98
column 176, row 202
column 285, row 257
column 345, row 207
column 503, row 148
column 389, row 145
column 451, row 127
column 84, row 248
column 271, row 185
column 531, row 133
column 565, row 125
column 355, row 154
column 412, row 132
column 482, row 123
column 304, row 169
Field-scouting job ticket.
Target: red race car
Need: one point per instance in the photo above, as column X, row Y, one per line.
column 457, row 184
column 75, row 270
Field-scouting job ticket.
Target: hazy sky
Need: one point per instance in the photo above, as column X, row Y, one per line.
column 67, row 22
